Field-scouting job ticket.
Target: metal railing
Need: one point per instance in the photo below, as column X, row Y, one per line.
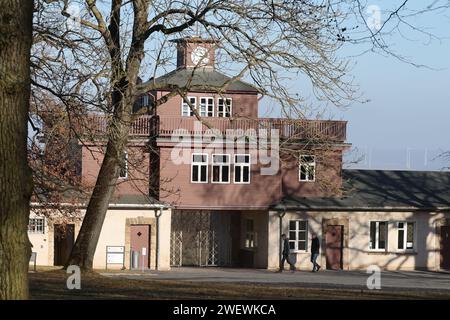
column 166, row 126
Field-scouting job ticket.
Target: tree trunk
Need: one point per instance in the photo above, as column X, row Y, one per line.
column 15, row 175
column 84, row 248
column 122, row 98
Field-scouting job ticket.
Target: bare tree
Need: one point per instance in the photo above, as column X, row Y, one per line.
column 94, row 62
column 54, row 155
column 15, row 175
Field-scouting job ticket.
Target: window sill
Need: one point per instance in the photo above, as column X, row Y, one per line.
column 373, row 252
column 299, row 251
column 405, row 252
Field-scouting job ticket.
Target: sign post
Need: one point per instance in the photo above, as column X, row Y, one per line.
column 115, row 255
column 144, row 253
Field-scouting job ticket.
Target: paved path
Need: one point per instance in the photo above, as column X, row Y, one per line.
column 409, row 280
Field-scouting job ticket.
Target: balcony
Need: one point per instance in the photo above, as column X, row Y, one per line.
column 163, row 126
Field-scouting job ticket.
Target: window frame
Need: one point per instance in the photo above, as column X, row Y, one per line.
column 405, row 235
column 297, row 230
column 125, row 167
column 252, row 233
column 208, row 99
column 193, row 163
column 220, row 168
column 183, row 103
column 301, row 163
column 224, row 107
column 242, row 165
column 377, row 234
column 34, row 230
column 144, row 100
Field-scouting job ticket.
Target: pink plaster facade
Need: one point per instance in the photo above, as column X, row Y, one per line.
column 170, row 181
column 244, row 105
column 137, row 180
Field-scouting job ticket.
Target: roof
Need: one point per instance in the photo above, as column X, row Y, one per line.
column 382, row 190
column 135, row 199
column 194, row 39
column 122, row 201
column 202, row 79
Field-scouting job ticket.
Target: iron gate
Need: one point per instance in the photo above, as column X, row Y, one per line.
column 176, row 248
column 207, row 248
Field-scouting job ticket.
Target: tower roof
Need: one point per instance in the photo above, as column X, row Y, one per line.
column 203, row 80
column 193, row 39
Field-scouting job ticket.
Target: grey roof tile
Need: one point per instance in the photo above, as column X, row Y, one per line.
column 381, row 189
column 202, row 79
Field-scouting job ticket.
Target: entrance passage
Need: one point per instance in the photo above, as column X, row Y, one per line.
column 203, row 238
column 333, row 238
column 140, row 246
column 445, row 247
column 64, row 236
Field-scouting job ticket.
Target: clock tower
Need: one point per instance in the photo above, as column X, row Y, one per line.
column 195, row 52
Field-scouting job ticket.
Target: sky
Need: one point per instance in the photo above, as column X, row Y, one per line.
column 408, row 110
column 406, row 123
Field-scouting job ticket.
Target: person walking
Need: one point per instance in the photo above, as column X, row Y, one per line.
column 285, row 254
column 315, row 250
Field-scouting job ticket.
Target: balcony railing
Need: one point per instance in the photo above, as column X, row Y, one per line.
column 162, row 126
column 98, row 125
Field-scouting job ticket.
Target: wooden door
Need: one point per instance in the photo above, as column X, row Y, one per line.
column 333, row 239
column 139, row 242
column 64, row 236
column 445, row 247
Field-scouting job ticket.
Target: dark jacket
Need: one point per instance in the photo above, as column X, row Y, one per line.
column 315, row 245
column 286, row 249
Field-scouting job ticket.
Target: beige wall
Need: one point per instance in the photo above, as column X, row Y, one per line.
column 114, row 233
column 357, row 255
column 43, row 242
column 40, row 244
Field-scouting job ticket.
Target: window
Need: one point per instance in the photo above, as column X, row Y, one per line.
column 307, row 168
column 242, row 168
column 123, row 173
column 186, row 111
column 221, row 168
column 144, row 100
column 224, row 107
column 405, row 232
column 378, row 235
column 207, row 107
column 250, row 234
column 298, row 235
column 199, row 168
column 36, row 225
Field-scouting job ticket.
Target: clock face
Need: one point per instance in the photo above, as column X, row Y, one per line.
column 200, row 56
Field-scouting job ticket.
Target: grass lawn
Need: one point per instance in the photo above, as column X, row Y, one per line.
column 51, row 284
